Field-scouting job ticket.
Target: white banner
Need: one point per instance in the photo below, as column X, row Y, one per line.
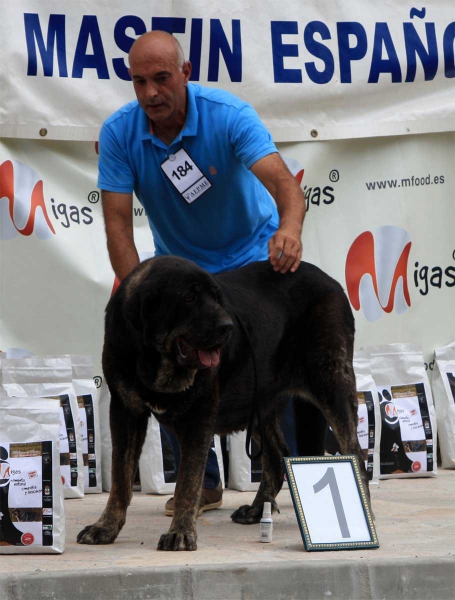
column 380, row 220
column 313, row 70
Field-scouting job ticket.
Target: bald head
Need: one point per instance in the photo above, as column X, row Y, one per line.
column 160, row 76
column 157, row 44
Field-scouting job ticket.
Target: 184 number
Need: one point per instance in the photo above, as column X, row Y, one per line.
column 182, row 170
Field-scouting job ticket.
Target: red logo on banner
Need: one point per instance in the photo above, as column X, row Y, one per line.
column 376, row 272
column 24, row 211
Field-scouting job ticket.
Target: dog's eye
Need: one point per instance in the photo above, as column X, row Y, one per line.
column 189, row 298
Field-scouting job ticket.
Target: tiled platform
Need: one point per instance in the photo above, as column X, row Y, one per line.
column 415, row 521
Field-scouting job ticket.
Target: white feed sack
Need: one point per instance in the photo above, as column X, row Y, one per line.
column 369, row 414
column 444, row 399
column 32, row 518
column 158, row 466
column 87, row 400
column 158, row 463
column 244, row 474
column 52, row 378
column 409, row 435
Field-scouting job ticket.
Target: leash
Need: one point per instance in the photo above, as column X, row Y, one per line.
column 255, row 411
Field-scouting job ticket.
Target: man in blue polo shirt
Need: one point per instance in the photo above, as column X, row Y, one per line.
column 205, row 170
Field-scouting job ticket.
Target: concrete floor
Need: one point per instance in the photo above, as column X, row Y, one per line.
column 415, row 522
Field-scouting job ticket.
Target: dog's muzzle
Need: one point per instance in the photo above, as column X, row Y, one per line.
column 193, row 354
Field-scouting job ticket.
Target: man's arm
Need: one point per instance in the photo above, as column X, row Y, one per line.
column 118, row 221
column 285, row 247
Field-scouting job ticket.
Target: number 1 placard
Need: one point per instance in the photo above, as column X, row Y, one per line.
column 330, row 502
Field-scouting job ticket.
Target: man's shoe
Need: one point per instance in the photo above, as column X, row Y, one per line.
column 210, row 498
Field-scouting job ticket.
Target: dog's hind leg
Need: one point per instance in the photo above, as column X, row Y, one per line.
column 128, row 434
column 274, row 448
column 324, row 367
column 333, row 390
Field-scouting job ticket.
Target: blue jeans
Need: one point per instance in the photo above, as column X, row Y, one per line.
column 212, row 470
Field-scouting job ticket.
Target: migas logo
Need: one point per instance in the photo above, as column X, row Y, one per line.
column 388, row 408
column 377, row 273
column 22, row 207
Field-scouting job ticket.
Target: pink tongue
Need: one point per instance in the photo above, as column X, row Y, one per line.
column 209, row 358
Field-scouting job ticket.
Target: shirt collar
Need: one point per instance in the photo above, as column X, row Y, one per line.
column 189, row 129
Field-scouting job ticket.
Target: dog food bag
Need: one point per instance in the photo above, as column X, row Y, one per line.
column 244, row 474
column 87, row 400
column 408, row 434
column 369, row 413
column 32, row 518
column 51, row 377
column 443, row 385
column 158, row 466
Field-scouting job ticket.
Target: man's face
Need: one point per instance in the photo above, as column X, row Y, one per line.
column 160, row 86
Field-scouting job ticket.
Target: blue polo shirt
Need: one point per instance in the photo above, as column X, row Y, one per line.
column 229, row 225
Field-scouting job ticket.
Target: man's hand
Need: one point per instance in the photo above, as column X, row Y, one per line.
column 285, row 250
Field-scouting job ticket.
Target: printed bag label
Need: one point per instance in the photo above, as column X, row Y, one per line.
column 68, row 444
column 407, row 436
column 366, row 429
column 26, row 494
column 87, row 418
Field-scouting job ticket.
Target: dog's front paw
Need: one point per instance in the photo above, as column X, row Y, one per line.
column 173, row 542
column 246, row 514
column 93, row 534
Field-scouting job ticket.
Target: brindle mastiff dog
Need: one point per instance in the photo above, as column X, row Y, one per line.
column 176, row 346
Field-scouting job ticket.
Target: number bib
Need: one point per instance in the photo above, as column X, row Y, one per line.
column 185, row 175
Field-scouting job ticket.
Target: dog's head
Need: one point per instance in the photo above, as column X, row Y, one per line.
column 177, row 310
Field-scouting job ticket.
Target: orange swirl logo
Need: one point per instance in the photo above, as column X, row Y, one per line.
column 376, row 272
column 22, row 207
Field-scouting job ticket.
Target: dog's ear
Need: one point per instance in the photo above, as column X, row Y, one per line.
column 138, row 311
